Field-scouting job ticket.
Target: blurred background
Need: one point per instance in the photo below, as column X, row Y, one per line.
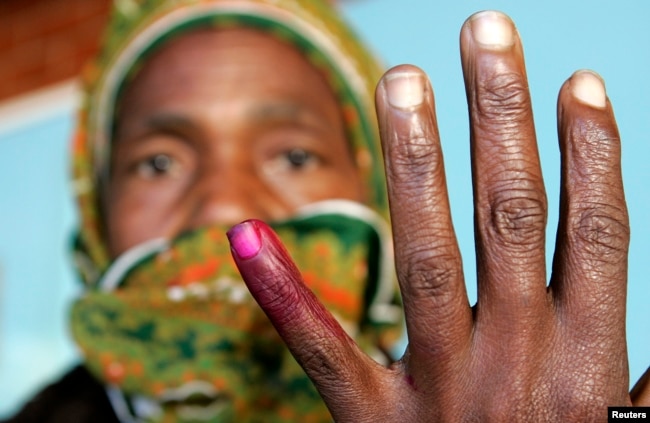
column 43, row 44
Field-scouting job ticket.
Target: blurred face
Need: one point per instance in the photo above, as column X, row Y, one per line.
column 222, row 126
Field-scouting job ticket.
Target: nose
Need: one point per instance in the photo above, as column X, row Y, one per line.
column 231, row 194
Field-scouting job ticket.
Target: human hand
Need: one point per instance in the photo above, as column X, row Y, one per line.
column 525, row 352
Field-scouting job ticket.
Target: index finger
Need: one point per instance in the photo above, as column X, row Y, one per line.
column 341, row 372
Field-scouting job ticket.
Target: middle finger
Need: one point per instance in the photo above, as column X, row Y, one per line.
column 509, row 197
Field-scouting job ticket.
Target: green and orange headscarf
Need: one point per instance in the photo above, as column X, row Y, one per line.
column 174, row 315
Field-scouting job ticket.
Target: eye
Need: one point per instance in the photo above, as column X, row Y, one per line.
column 156, row 166
column 298, row 158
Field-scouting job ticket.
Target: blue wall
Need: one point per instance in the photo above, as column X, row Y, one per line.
column 36, row 284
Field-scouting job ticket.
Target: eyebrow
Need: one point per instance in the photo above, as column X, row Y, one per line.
column 272, row 111
column 262, row 114
column 285, row 112
column 170, row 122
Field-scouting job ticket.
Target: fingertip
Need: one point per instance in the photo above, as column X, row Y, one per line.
column 491, row 30
column 403, row 87
column 588, row 87
column 266, row 267
column 405, row 108
column 491, row 51
column 245, row 239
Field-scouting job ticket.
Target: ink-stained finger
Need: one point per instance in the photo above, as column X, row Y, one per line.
column 341, row 372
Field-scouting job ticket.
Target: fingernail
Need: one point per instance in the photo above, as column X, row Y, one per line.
column 492, row 30
column 588, row 87
column 245, row 239
column 404, row 89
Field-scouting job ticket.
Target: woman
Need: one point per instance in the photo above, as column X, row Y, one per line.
column 199, row 115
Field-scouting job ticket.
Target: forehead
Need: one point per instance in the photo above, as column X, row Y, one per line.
column 234, row 63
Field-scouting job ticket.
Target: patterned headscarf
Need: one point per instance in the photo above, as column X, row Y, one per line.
column 133, row 325
column 139, row 26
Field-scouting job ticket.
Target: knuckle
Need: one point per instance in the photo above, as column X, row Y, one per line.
column 519, row 220
column 412, row 164
column 600, row 141
column 414, row 155
column 604, row 235
column 596, row 151
column 503, row 96
column 320, row 364
column 600, row 145
column 282, row 310
column 430, row 273
column 278, row 298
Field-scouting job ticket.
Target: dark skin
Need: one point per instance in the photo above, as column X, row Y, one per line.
column 219, row 126
column 525, row 351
